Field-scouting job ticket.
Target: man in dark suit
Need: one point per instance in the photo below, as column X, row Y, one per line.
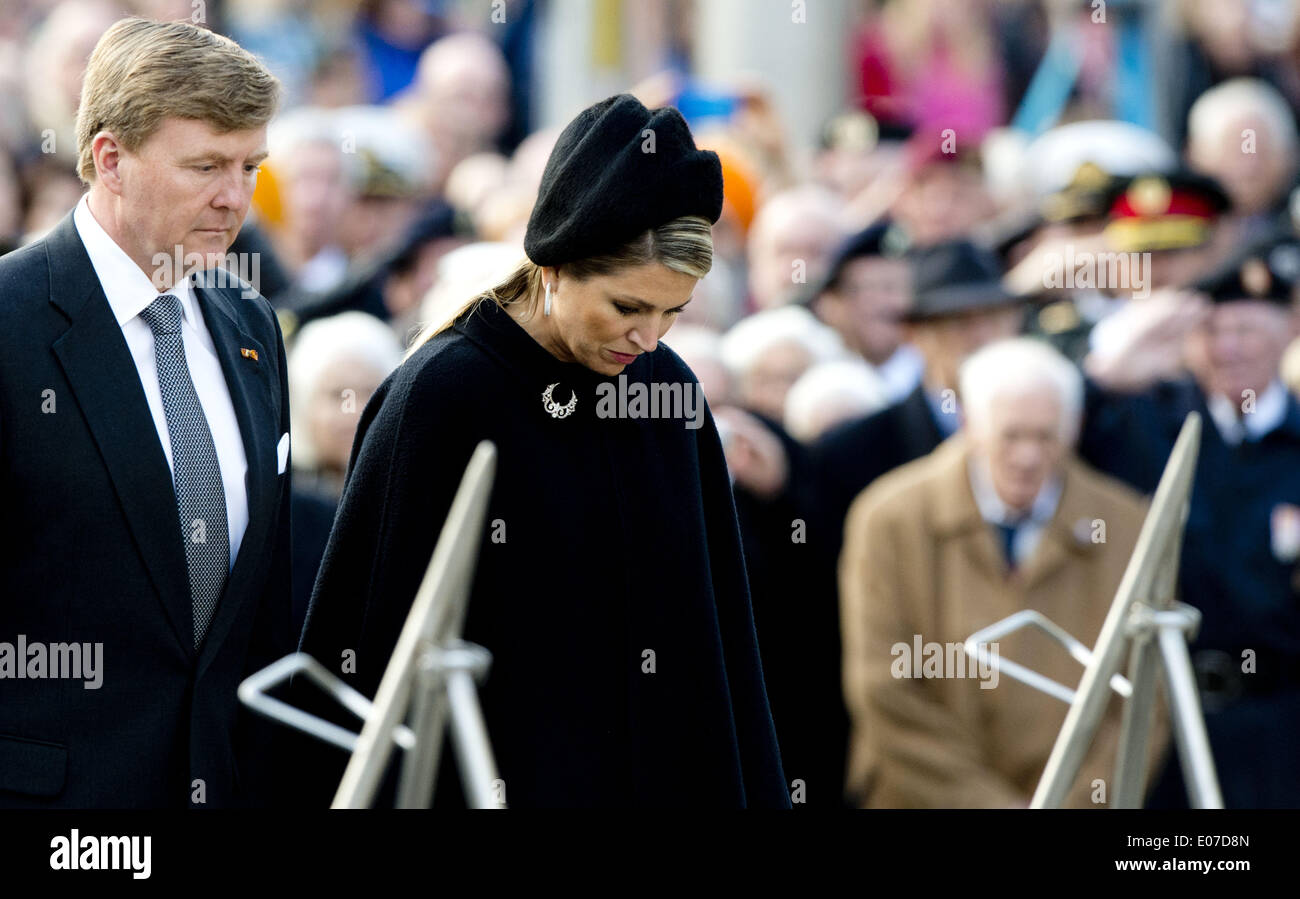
column 958, row 306
column 144, row 549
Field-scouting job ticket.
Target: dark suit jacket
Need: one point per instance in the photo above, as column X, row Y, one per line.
column 853, row 454
column 91, row 552
column 797, row 618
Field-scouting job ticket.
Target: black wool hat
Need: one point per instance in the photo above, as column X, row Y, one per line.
column 956, row 277
column 617, row 171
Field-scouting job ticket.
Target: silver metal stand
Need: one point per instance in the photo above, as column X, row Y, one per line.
column 430, row 677
column 1145, row 616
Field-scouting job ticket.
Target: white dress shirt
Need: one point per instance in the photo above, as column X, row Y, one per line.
column 1235, row 426
column 1029, row 529
column 129, row 291
column 902, row 372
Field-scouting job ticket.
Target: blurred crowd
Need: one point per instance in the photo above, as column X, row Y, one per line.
column 1119, row 189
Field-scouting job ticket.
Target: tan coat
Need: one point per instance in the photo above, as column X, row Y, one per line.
column 919, row 560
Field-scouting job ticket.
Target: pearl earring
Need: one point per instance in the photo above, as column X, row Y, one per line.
column 546, row 309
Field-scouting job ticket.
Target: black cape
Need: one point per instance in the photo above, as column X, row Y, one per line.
column 610, row 585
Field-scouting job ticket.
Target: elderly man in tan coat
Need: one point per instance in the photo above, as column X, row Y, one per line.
column 1001, row 517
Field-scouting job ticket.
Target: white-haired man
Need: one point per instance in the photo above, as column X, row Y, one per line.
column 1001, row 517
column 1243, row 134
column 790, row 243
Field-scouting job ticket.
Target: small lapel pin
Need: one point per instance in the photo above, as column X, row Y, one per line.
column 1286, row 533
column 247, row 353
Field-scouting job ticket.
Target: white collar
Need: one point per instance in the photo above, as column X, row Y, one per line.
column 126, row 286
column 902, row 371
column 995, row 511
column 1269, row 413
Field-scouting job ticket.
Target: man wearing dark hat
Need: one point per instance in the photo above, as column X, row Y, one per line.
column 611, row 587
column 1239, row 556
column 864, row 296
column 958, row 306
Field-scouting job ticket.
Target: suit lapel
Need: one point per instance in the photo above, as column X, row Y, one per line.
column 919, row 430
column 958, row 517
column 1067, row 536
column 1052, row 552
column 249, row 383
column 102, row 374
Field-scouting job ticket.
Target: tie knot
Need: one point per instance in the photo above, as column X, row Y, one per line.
column 163, row 315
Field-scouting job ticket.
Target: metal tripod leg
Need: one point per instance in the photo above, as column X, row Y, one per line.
column 1135, row 730
column 420, row 764
column 473, row 749
column 444, row 686
column 1189, row 725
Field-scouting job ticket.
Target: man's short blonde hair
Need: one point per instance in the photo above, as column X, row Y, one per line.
column 142, row 72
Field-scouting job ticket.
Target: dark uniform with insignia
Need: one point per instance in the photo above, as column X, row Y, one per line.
column 1240, row 551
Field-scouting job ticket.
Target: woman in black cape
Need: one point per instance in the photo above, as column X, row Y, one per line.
column 610, row 586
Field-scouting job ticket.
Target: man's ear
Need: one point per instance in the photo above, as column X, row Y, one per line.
column 107, row 154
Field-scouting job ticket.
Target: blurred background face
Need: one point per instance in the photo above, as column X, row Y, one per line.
column 1173, row 268
column 714, row 379
column 763, row 388
column 1255, row 181
column 469, row 96
column 187, row 186
column 463, row 97
column 946, row 342
column 791, row 241
column 604, row 322
column 370, row 222
column 868, row 304
column 336, row 403
column 943, row 201
column 315, row 195
column 1240, row 347
column 1020, row 439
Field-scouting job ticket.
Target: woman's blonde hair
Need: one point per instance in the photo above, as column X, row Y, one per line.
column 684, row 245
column 142, row 72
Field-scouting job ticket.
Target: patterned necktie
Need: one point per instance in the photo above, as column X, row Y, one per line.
column 200, row 496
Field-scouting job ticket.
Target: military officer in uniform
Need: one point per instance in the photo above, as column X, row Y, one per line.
column 1242, row 543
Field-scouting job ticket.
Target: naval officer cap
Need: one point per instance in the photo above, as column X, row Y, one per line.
column 617, row 171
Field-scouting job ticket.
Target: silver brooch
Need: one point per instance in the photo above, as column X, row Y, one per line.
column 556, row 410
